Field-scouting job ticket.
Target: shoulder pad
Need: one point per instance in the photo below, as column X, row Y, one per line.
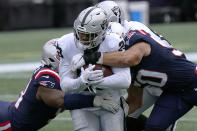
column 48, row 72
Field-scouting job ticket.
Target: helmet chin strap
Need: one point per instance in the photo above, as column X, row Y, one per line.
column 92, row 50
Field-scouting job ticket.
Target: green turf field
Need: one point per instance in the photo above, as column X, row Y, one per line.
column 26, row 45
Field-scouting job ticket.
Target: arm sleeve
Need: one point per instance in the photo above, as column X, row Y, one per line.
column 68, row 80
column 77, row 101
column 121, row 79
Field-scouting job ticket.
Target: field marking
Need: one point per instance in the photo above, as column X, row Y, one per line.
column 63, row 119
column 19, row 67
column 180, row 120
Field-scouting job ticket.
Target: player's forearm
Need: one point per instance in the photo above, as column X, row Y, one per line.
column 121, row 59
column 77, row 101
column 113, row 59
column 71, row 85
column 120, row 80
column 130, row 57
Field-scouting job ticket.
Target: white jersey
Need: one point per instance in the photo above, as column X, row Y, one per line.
column 134, row 25
column 121, row 78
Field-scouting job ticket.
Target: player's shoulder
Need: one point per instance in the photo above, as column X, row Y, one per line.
column 45, row 73
column 114, row 36
column 116, row 28
column 67, row 44
column 111, row 43
column 66, row 40
column 135, row 36
column 134, row 25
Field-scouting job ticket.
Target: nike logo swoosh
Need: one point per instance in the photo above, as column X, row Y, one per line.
column 46, row 77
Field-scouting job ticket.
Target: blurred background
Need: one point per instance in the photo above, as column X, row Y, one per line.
column 25, row 25
column 25, row 14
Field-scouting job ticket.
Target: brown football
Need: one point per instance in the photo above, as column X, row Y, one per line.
column 106, row 69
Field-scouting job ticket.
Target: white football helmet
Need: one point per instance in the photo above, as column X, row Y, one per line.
column 114, row 12
column 90, row 27
column 50, row 55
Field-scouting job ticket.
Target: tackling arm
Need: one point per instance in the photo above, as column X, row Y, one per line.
column 58, row 99
column 130, row 57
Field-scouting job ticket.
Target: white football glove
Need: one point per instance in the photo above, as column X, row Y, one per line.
column 77, row 62
column 91, row 77
column 124, row 105
column 106, row 102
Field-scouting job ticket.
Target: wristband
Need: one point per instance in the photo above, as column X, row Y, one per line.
column 77, row 101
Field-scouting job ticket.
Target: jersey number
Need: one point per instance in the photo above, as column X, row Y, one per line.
column 153, row 78
column 21, row 96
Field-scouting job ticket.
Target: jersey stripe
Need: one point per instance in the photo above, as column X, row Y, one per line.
column 6, row 126
column 48, row 71
column 142, row 32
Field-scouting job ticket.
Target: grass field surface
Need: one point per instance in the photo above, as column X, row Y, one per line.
column 25, row 46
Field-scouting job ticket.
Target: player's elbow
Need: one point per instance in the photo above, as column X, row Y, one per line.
column 126, row 80
column 63, row 86
column 126, row 84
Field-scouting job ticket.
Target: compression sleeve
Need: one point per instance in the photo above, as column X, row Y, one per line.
column 121, row 79
column 77, row 101
column 68, row 81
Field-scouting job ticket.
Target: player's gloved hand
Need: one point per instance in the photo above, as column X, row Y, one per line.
column 107, row 102
column 77, row 62
column 93, row 58
column 90, row 76
column 124, row 105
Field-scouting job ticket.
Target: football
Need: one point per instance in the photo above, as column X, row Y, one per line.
column 106, row 69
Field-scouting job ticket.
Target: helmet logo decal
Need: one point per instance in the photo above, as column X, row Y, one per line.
column 59, row 51
column 116, row 10
column 84, row 18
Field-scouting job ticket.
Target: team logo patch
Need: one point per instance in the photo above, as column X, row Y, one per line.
column 196, row 70
column 47, row 84
column 47, row 77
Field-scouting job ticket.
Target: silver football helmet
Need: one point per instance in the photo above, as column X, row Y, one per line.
column 50, row 55
column 113, row 10
column 90, row 27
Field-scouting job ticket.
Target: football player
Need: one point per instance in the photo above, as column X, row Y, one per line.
column 150, row 94
column 43, row 99
column 156, row 64
column 90, row 35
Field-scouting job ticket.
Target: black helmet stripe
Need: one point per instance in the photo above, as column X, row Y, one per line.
column 86, row 15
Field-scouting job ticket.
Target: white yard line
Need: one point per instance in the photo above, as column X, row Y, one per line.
column 19, row 67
